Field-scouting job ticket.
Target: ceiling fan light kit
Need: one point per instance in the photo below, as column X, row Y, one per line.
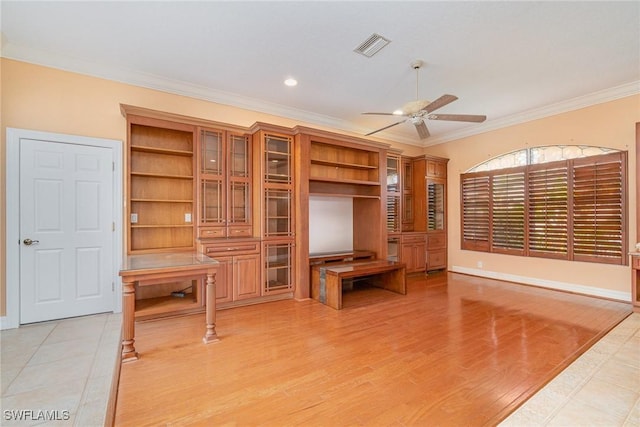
column 417, row 111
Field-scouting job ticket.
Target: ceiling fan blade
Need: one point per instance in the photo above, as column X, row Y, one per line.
column 386, row 127
column 381, row 114
column 458, row 117
column 440, row 102
column 422, row 129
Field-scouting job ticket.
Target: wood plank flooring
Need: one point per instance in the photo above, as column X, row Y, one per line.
column 456, row 350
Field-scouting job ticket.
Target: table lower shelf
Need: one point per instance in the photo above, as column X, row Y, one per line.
column 167, row 306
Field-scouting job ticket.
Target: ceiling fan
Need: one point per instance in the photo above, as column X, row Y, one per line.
column 417, row 111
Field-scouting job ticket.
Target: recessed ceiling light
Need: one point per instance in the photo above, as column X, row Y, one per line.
column 291, row 82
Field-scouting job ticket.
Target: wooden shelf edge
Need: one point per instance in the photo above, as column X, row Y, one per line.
column 345, row 181
column 357, row 196
column 161, row 201
column 144, row 149
column 161, row 225
column 343, row 164
column 160, row 175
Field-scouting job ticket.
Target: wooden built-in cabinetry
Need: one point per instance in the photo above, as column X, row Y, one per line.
column 241, row 196
column 276, row 183
column 160, row 186
column 422, row 208
column 224, row 184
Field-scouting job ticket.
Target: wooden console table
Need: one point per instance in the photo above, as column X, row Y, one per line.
column 327, row 281
column 169, row 266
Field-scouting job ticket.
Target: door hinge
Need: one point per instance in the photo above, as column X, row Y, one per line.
column 113, row 226
column 113, row 166
column 113, row 287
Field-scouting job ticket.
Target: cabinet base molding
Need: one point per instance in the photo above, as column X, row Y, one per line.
column 252, row 301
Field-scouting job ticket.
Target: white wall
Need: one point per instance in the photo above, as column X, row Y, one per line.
column 330, row 224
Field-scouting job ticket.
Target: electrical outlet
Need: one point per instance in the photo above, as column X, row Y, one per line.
column 479, row 264
column 134, row 218
column 187, row 217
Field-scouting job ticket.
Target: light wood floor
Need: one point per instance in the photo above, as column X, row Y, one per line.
column 456, row 350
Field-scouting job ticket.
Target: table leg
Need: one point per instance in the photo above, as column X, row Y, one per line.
column 211, row 336
column 128, row 321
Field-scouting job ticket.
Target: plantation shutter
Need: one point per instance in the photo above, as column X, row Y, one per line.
column 548, row 210
column 508, row 218
column 598, row 209
column 475, row 212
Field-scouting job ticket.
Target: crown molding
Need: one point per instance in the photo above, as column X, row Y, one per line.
column 155, row 82
column 599, row 97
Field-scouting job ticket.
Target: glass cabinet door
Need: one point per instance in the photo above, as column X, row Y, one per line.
column 278, row 268
column 393, row 213
column 212, row 157
column 435, row 206
column 239, row 203
column 212, row 196
column 393, row 174
column 277, row 213
column 277, row 158
column 239, row 156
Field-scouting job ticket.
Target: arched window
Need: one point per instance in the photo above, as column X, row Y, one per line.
column 565, row 202
column 537, row 155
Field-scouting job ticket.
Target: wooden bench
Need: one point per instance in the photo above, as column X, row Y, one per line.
column 327, row 281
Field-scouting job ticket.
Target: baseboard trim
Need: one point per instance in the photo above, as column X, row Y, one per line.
column 543, row 283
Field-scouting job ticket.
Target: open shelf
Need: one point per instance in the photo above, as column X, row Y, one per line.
column 156, row 150
column 342, row 164
column 161, row 201
column 161, row 175
column 166, row 306
column 345, row 181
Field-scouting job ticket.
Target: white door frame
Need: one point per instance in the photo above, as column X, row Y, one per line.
column 12, row 299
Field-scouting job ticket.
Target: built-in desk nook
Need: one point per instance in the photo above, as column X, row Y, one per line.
column 158, row 268
column 327, row 280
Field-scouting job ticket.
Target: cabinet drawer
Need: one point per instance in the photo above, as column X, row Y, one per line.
column 240, row 231
column 209, row 232
column 231, row 248
column 436, row 241
column 436, row 259
column 413, row 238
column 635, row 262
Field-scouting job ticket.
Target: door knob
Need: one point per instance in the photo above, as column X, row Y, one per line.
column 30, row 242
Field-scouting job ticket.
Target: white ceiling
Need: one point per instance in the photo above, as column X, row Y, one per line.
column 511, row 61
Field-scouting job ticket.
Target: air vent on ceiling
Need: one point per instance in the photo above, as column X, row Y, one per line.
column 372, row 45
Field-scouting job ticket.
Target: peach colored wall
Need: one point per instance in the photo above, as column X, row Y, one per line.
column 46, row 99
column 41, row 98
column 611, row 124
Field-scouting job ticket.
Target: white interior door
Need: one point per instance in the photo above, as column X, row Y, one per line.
column 66, row 230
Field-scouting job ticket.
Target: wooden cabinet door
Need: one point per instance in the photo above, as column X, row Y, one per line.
column 246, row 276
column 224, row 283
column 420, row 256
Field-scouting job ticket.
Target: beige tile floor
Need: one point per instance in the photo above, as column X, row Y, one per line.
column 69, row 365
column 60, row 372
column 600, row 388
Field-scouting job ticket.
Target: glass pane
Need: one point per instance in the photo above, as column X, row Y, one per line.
column 278, row 212
column 239, row 162
column 278, row 160
column 435, row 213
column 239, row 199
column 211, row 153
column 278, row 267
column 393, row 213
column 393, row 173
column 212, row 202
column 407, row 208
column 408, row 176
column 393, row 246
